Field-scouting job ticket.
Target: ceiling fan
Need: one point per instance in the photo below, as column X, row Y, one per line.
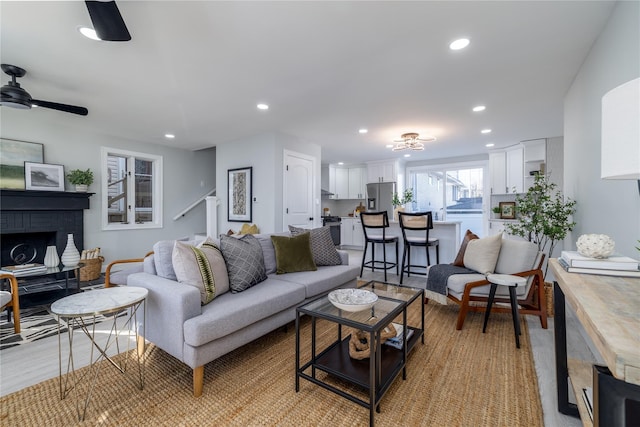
column 12, row 95
column 107, row 21
column 411, row 141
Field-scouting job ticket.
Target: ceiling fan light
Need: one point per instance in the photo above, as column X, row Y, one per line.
column 14, row 103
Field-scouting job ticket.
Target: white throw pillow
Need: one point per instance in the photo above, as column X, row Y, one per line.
column 202, row 267
column 482, row 254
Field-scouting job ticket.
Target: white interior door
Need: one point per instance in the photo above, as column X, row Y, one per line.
column 298, row 190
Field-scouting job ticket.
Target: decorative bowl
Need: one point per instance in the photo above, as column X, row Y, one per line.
column 595, row 245
column 352, row 299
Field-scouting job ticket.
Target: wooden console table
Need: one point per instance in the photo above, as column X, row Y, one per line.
column 608, row 308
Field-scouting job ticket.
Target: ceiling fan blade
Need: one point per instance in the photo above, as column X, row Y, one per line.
column 61, row 107
column 107, row 21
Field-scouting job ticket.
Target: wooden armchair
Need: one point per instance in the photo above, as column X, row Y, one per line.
column 10, row 299
column 107, row 272
column 473, row 295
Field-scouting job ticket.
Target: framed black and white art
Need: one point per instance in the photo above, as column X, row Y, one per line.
column 43, row 177
column 239, row 195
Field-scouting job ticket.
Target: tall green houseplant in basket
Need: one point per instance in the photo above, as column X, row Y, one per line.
column 543, row 216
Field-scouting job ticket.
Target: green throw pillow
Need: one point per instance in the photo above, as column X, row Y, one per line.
column 293, row 253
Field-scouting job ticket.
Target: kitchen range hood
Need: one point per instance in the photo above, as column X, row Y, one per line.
column 325, row 192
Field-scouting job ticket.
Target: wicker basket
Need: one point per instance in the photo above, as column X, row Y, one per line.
column 92, row 269
column 548, row 291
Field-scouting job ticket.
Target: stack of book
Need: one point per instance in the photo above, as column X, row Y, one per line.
column 396, row 342
column 23, row 269
column 615, row 265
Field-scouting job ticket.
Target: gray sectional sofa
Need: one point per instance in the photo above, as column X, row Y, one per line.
column 197, row 334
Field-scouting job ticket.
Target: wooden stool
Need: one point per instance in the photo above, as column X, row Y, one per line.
column 512, row 282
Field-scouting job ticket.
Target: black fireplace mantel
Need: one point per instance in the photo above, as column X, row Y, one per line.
column 26, row 200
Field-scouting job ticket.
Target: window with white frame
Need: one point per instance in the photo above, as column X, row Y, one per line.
column 450, row 192
column 131, row 190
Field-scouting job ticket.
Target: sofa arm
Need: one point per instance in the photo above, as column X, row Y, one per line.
column 344, row 256
column 168, row 305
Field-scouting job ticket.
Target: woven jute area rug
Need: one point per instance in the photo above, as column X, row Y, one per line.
column 457, row 378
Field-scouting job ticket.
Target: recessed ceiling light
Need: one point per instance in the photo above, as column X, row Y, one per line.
column 169, row 135
column 479, row 108
column 262, row 106
column 407, row 155
column 341, row 163
column 485, row 131
column 363, row 130
column 491, row 144
column 89, row 33
column 459, row 44
column 389, row 145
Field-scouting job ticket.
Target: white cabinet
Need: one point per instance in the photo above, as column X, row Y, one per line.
column 351, row 233
column 357, row 178
column 514, row 170
column 347, row 182
column 386, row 171
column 506, row 170
column 535, row 155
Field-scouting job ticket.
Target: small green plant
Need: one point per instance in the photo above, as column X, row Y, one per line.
column 407, row 197
column 80, row 177
column 544, row 216
column 496, row 209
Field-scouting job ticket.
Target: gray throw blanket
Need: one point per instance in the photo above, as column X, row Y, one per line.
column 438, row 277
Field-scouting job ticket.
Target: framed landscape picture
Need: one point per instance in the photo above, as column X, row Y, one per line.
column 13, row 154
column 239, row 195
column 507, row 210
column 43, row 177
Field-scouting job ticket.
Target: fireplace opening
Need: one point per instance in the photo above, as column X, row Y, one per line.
column 25, row 248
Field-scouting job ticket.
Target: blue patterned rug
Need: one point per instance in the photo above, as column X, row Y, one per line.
column 36, row 322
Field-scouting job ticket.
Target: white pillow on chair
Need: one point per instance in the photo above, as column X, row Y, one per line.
column 481, row 255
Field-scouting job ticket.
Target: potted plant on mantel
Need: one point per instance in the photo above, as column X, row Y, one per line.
column 398, row 203
column 81, row 179
column 543, row 216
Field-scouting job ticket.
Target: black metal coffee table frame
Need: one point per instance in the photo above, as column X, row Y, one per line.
column 375, row 374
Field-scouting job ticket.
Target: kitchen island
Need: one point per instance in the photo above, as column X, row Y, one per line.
column 448, row 232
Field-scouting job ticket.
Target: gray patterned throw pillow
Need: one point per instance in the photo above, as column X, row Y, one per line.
column 322, row 247
column 245, row 263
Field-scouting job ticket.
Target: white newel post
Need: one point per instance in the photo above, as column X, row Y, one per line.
column 212, row 203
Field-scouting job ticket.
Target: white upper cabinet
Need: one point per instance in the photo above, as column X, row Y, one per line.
column 535, row 159
column 506, row 170
column 385, row 171
column 347, row 182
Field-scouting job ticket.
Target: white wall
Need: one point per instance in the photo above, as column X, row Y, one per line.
column 604, row 206
column 76, row 148
column 265, row 153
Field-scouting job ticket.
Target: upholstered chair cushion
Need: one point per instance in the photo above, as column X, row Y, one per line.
column 516, row 256
column 481, row 255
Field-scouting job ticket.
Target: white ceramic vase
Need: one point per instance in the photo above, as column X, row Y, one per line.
column 51, row 258
column 70, row 256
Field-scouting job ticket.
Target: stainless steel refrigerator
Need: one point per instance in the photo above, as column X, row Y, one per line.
column 379, row 195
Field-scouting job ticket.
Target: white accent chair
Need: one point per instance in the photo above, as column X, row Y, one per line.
column 518, row 258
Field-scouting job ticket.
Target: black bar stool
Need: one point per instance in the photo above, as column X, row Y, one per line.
column 374, row 226
column 415, row 228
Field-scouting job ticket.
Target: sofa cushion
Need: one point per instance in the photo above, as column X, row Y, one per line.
column 516, row 256
column 456, row 283
column 249, row 229
column 293, row 253
column 268, row 252
column 481, row 255
column 324, row 279
column 203, row 267
column 468, row 236
column 232, row 312
column 245, row 263
column 322, row 246
column 162, row 258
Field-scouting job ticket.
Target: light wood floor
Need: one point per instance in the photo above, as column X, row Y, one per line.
column 22, row 366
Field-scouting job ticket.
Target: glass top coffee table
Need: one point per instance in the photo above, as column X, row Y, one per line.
column 376, row 373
